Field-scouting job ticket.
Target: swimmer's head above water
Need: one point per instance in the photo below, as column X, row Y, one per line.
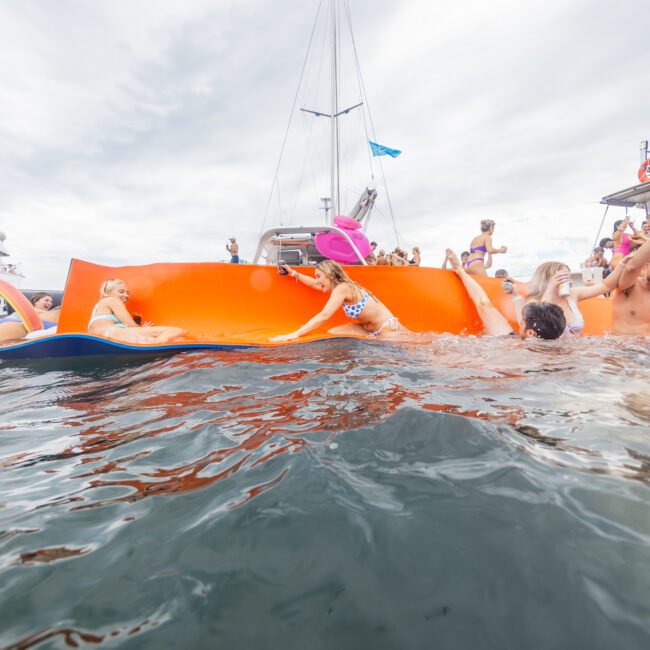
column 542, row 320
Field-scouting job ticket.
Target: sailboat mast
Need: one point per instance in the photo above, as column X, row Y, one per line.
column 334, row 124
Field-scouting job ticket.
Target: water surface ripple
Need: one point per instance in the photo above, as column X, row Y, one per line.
column 469, row 493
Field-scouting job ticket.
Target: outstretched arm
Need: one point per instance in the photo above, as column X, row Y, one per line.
column 606, row 286
column 299, row 277
column 334, row 302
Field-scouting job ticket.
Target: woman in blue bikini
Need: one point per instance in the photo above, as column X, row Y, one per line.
column 374, row 318
column 480, row 246
column 110, row 318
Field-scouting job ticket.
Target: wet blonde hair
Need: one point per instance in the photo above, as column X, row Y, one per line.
column 108, row 286
column 487, row 224
column 542, row 276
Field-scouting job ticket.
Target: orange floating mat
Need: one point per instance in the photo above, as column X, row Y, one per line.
column 240, row 304
column 28, row 315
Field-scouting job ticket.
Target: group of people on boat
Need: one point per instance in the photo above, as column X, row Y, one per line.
column 397, row 257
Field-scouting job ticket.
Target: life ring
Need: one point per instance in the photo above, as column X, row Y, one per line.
column 28, row 315
column 347, row 223
column 643, row 171
column 337, row 248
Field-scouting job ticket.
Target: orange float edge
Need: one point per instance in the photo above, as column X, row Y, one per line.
column 241, row 304
column 25, row 310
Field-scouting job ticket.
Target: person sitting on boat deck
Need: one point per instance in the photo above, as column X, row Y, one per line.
column 480, row 245
column 551, row 282
column 11, row 327
column 631, row 302
column 536, row 320
column 110, row 318
column 597, row 260
column 233, row 249
column 382, row 258
column 374, row 318
column 416, row 260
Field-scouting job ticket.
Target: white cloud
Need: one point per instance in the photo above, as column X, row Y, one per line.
column 149, row 131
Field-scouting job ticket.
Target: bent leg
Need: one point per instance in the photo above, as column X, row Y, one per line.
column 152, row 334
column 349, row 329
column 494, row 321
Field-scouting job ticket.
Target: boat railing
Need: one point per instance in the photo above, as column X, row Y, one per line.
column 269, row 235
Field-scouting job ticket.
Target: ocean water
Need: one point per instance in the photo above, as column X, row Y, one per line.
column 469, row 493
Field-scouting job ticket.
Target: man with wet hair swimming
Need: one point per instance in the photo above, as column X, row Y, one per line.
column 542, row 320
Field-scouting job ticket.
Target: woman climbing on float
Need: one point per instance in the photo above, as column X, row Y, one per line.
column 481, row 245
column 110, row 318
column 537, row 320
column 551, row 282
column 374, row 318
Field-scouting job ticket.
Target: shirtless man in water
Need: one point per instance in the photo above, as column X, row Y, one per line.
column 631, row 303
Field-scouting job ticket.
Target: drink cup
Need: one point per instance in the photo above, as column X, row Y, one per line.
column 282, row 268
column 564, row 289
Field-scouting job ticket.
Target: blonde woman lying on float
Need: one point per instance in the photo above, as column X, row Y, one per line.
column 110, row 318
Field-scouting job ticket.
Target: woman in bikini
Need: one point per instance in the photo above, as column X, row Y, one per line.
column 11, row 327
column 374, row 318
column 480, row 246
column 624, row 243
column 545, row 285
column 110, row 318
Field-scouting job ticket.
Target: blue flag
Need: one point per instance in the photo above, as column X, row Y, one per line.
column 380, row 150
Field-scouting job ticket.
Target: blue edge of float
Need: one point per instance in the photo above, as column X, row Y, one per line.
column 81, row 345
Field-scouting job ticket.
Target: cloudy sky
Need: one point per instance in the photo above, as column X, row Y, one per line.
column 136, row 131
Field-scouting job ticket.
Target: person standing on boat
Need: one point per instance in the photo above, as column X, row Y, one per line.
column 233, row 249
column 624, row 243
column 372, row 316
column 481, row 245
column 416, row 260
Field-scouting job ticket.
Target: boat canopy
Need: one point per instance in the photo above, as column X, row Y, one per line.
column 632, row 197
